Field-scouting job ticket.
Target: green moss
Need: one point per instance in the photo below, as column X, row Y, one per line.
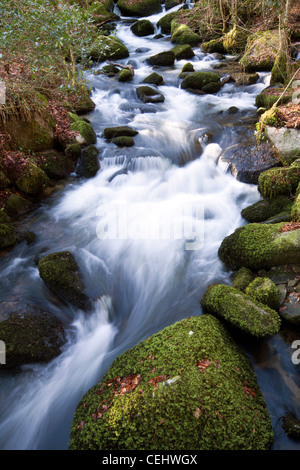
column 241, row 311
column 277, row 181
column 7, row 235
column 154, row 79
column 201, row 81
column 123, row 141
column 185, row 388
column 296, row 206
column 264, row 291
column 31, row 338
column 124, row 75
column 188, row 67
column 165, row 22
column 214, row 45
column 260, row 246
column 149, row 95
column 260, row 51
column 279, row 72
column 142, row 28
column 266, row 208
column 33, row 180
column 235, row 40
column 242, row 278
column 73, row 151
column 61, row 275
column 183, row 51
column 89, row 162
column 291, row 426
column 182, row 34
column 56, row 165
column 85, row 130
column 17, row 206
column 138, row 8
column 111, row 132
column 107, row 47
column 270, row 95
column 164, row 59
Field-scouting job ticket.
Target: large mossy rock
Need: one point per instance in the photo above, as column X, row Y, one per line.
column 16, row 206
column 119, row 131
column 31, row 336
column 154, row 79
column 164, row 59
column 56, row 165
column 212, row 46
column 266, row 208
column 241, row 311
column 260, row 52
column 139, row 7
column 242, row 278
column 107, row 47
column 183, row 34
column 260, row 246
column 33, row 180
column 165, row 22
column 264, row 291
column 88, row 164
column 188, row 387
column 207, row 82
column 278, row 181
column 235, row 40
column 142, row 28
column 183, row 51
column 87, row 135
column 61, row 274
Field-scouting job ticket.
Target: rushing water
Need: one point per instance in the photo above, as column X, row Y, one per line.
column 145, row 232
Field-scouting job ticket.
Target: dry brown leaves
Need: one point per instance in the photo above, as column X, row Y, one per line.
column 289, row 115
column 290, row 226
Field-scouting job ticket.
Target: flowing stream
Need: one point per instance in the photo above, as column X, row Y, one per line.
column 132, row 229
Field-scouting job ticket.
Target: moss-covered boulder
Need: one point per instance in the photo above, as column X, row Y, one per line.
column 154, row 79
column 16, row 206
column 264, row 291
column 260, row 246
column 185, row 388
column 148, row 94
column 260, row 51
column 87, row 135
column 278, row 181
column 33, row 180
column 56, row 165
column 73, row 150
column 291, row 426
column 123, row 141
column 271, row 95
column 142, row 28
column 242, row 278
column 183, row 34
column 139, row 7
column 107, row 47
column 163, row 59
column 111, row 132
column 165, row 22
column 7, row 234
column 88, row 164
column 207, row 82
column 183, row 51
column 266, row 208
column 125, row 75
column 61, row 274
column 31, row 336
column 212, row 46
column 235, row 40
column 241, row 311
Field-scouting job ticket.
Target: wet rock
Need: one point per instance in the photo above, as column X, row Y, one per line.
column 163, row 59
column 139, row 7
column 282, row 293
column 56, row 165
column 266, row 208
column 62, row 276
column 142, row 49
column 142, row 28
column 7, row 234
column 33, row 180
column 123, row 141
column 165, row 22
column 172, row 3
column 183, row 51
column 17, row 206
column 278, row 181
column 88, row 164
column 149, row 95
column 206, row 82
column 183, row 34
column 147, row 378
column 111, row 132
column 154, row 79
column 214, row 45
column 260, row 246
column 124, row 75
column 31, row 335
column 107, row 47
column 286, row 142
column 244, row 79
column 264, row 291
column 290, row 310
column 291, row 425
column 241, row 311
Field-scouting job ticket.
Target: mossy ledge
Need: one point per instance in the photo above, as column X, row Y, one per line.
column 241, row 311
column 187, row 387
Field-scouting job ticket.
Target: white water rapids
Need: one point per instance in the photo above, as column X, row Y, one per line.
column 132, row 229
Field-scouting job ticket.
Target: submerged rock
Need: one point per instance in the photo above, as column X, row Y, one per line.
column 16, row 206
column 241, row 311
column 186, row 387
column 30, row 336
column 62, row 276
column 149, row 95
